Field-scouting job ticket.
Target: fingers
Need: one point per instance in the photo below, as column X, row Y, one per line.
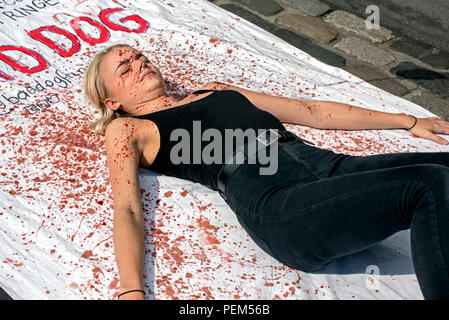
column 435, row 138
column 431, row 136
column 441, row 128
column 438, row 125
column 438, row 139
column 444, row 130
column 442, row 141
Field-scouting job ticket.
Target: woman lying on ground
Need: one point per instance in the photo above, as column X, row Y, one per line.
column 310, row 207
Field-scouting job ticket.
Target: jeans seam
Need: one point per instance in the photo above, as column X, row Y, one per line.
column 383, row 207
column 315, row 204
column 306, row 247
column 254, row 209
column 338, row 165
column 436, row 237
column 260, row 238
column 233, row 199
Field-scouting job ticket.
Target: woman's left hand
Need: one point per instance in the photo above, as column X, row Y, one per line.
column 427, row 127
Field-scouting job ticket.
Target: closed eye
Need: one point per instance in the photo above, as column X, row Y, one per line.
column 127, row 61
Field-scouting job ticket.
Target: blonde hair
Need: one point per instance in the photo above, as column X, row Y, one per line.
column 97, row 93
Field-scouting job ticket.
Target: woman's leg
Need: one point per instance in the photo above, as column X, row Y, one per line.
column 307, row 225
column 351, row 164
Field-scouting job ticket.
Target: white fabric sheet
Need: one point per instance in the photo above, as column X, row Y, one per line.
column 55, row 199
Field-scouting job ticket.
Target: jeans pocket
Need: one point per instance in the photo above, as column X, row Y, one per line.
column 289, row 152
column 295, row 154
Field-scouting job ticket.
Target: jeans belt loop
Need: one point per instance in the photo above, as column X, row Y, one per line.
column 264, row 141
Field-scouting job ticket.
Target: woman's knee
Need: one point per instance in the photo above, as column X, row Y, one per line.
column 434, row 178
column 426, row 172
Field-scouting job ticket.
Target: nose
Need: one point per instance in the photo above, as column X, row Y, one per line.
column 141, row 64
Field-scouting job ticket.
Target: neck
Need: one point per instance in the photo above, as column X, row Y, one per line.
column 159, row 103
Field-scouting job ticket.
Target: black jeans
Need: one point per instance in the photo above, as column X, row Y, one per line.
column 322, row 205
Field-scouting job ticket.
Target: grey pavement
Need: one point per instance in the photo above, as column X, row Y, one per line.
column 408, row 56
column 425, row 21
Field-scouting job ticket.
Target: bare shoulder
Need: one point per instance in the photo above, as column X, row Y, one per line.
column 124, row 124
column 215, row 85
column 278, row 106
column 249, row 94
column 134, row 130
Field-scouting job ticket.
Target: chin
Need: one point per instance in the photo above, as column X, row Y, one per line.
column 158, row 87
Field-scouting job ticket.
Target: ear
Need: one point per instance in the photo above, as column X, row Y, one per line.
column 111, row 104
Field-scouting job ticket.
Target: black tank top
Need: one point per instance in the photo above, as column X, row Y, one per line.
column 223, row 109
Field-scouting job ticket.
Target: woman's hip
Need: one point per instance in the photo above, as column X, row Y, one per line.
column 246, row 187
column 295, row 163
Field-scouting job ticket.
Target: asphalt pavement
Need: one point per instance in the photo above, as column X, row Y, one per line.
column 425, row 21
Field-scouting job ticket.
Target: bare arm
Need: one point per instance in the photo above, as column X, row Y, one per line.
column 336, row 115
column 123, row 161
column 343, row 116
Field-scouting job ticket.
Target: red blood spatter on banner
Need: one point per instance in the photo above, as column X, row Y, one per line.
column 96, row 272
column 43, row 179
column 114, row 284
column 74, row 285
column 203, row 208
column 205, row 224
column 55, row 16
column 80, row 2
column 87, row 254
column 206, row 227
column 15, row 264
column 79, row 226
column 207, row 292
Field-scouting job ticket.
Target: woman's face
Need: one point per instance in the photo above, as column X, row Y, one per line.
column 130, row 79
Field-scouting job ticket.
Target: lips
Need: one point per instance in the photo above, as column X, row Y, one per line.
column 146, row 73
